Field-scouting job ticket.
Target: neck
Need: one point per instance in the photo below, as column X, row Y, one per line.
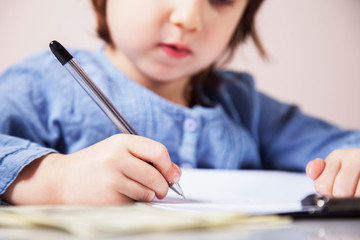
column 172, row 90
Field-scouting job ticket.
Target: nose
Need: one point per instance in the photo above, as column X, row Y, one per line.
column 187, row 14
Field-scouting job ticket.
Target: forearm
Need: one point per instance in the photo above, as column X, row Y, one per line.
column 37, row 183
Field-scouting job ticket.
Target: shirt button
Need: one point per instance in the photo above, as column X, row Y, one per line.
column 190, row 125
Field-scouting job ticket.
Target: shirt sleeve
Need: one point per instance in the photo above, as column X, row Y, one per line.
column 290, row 138
column 2, row 203
column 24, row 135
column 287, row 138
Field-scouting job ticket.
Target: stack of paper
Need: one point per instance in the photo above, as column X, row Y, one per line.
column 87, row 221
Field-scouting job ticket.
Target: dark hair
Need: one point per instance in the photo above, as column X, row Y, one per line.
column 246, row 28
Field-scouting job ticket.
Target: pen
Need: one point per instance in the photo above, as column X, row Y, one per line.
column 67, row 60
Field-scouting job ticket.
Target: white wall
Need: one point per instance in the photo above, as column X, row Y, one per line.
column 315, row 56
column 29, row 26
column 314, row 48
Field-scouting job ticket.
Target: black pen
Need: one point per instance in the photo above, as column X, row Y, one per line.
column 99, row 98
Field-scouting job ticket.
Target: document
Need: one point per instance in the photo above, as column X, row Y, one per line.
column 246, row 191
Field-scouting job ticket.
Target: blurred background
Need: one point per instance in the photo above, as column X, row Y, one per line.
column 314, row 48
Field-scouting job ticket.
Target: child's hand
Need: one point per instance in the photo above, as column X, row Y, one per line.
column 113, row 171
column 338, row 175
column 116, row 171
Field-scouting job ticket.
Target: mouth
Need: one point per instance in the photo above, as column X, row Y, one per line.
column 175, row 50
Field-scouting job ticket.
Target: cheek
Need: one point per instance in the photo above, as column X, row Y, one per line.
column 123, row 36
column 123, row 23
column 224, row 34
column 128, row 33
column 119, row 30
column 215, row 44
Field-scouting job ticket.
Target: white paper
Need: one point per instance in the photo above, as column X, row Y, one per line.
column 247, row 191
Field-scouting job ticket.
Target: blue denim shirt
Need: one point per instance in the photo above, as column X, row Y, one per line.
column 43, row 109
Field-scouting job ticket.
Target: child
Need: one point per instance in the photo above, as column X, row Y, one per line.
column 158, row 68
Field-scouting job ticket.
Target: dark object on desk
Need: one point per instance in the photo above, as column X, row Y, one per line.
column 315, row 206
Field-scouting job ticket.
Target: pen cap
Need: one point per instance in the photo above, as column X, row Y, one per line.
column 60, row 52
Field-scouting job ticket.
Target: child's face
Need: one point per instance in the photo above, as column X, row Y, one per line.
column 167, row 40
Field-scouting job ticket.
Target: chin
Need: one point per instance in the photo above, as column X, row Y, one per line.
column 166, row 79
column 167, row 75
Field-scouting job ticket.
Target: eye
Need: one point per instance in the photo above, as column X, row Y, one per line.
column 222, row 2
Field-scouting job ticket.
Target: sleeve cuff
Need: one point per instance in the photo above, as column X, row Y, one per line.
column 2, row 203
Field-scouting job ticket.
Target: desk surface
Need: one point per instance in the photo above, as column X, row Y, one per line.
column 311, row 229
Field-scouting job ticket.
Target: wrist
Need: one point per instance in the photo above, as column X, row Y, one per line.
column 51, row 178
column 37, row 183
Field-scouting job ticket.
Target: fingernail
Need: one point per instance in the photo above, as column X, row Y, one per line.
column 308, row 168
column 176, row 176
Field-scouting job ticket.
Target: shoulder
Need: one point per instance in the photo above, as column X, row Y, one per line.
column 38, row 71
column 45, row 63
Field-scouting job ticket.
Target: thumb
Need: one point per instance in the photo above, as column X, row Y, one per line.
column 315, row 167
column 174, row 173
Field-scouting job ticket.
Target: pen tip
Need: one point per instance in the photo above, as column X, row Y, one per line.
column 176, row 188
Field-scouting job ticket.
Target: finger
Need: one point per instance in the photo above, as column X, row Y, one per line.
column 145, row 174
column 155, row 153
column 315, row 167
column 324, row 183
column 357, row 192
column 114, row 200
column 135, row 190
column 346, row 181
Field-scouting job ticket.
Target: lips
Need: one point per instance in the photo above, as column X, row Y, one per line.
column 176, row 50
